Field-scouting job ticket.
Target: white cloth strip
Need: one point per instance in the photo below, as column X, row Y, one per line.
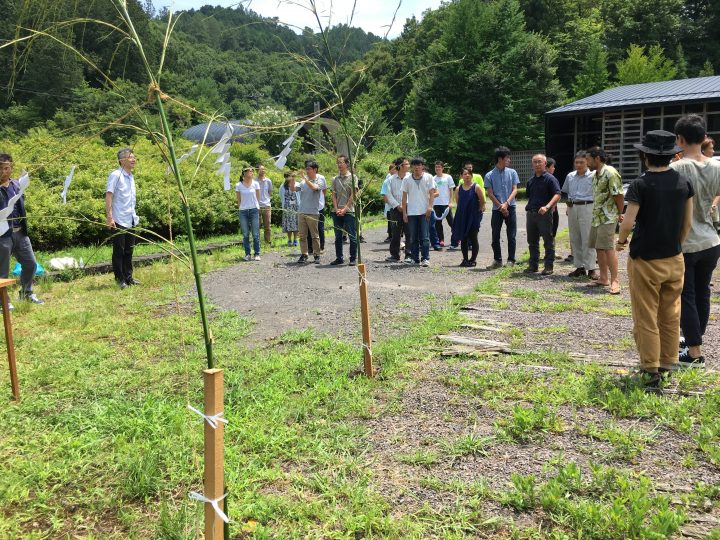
column 280, row 163
column 66, row 184
column 195, row 496
column 226, row 181
column 224, row 168
column 444, row 214
column 212, row 420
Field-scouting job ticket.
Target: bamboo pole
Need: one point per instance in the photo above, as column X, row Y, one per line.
column 14, row 384
column 214, row 452
column 365, row 314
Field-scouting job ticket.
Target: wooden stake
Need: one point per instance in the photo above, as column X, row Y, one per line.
column 10, row 344
column 214, row 452
column 365, row 314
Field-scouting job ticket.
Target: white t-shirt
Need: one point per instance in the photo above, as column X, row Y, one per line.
column 418, row 193
column 248, row 195
column 122, row 185
column 445, row 185
column 265, row 190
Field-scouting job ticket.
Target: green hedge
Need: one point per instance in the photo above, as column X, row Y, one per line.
column 53, row 226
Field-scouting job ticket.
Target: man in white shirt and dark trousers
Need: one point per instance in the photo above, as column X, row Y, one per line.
column 121, row 217
column 419, row 192
column 578, row 189
column 393, row 198
column 445, row 186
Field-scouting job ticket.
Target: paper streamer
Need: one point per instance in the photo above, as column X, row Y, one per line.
column 281, row 161
column 226, row 181
column 225, row 168
column 66, row 185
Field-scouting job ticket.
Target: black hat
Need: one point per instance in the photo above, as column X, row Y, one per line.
column 659, row 142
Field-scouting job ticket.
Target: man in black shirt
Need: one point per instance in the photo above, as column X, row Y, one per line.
column 543, row 192
column 660, row 206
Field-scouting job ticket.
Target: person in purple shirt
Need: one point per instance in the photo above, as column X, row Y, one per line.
column 543, row 192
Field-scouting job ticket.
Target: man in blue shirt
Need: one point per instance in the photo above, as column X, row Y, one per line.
column 501, row 184
column 543, row 191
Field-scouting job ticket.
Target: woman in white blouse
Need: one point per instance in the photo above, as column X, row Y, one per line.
column 248, row 197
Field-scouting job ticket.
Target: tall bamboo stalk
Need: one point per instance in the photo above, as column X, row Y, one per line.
column 155, row 89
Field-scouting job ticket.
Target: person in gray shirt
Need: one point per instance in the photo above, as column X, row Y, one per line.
column 578, row 189
column 309, row 213
column 343, row 197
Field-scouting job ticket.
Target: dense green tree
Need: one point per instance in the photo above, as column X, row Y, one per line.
column 593, row 76
column 639, row 67
column 495, row 92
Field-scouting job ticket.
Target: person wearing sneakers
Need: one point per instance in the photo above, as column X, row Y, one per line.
column 578, row 188
column 15, row 241
column 701, row 249
column 289, row 204
column 343, row 199
column 418, row 195
column 248, row 199
column 608, row 205
column 543, row 192
column 501, row 184
column 470, row 204
column 393, row 197
column 309, row 212
column 443, row 202
column 660, row 205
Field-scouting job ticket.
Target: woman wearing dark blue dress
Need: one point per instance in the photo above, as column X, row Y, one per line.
column 470, row 204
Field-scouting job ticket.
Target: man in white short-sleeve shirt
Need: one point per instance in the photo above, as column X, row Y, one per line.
column 418, row 193
column 121, row 217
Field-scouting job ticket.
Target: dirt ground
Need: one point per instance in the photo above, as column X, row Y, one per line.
column 282, row 295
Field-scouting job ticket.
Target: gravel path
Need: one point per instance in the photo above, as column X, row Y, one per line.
column 281, row 295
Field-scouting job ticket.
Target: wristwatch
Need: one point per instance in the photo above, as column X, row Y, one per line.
column 622, row 243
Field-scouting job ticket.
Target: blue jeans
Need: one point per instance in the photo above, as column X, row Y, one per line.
column 510, row 228
column 434, row 237
column 250, row 218
column 418, row 229
column 345, row 225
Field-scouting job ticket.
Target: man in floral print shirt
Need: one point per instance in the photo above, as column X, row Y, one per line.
column 607, row 212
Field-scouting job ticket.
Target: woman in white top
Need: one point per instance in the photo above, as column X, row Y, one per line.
column 248, row 197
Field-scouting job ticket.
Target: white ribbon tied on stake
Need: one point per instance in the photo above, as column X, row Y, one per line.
column 211, row 420
column 66, row 184
column 195, row 496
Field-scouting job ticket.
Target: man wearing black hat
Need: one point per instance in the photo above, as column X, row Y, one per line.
column 660, row 208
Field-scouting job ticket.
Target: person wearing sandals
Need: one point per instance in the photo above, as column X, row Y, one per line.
column 248, row 199
column 660, row 206
column 470, row 205
column 289, row 204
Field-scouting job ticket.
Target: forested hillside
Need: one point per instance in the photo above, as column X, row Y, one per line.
column 466, row 76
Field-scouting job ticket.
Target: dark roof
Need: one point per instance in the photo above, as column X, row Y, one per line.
column 215, row 131
column 699, row 89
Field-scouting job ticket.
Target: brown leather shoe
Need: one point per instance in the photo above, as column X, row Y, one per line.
column 548, row 270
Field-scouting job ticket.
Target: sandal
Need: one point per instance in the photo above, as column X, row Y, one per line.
column 615, row 289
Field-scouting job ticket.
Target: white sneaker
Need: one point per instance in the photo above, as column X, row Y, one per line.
column 402, row 245
column 425, row 262
column 256, row 258
column 34, row 299
column 248, row 258
column 409, row 261
column 10, row 306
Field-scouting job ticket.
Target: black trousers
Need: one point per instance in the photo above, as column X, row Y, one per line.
column 123, row 245
column 395, row 218
column 540, row 226
column 695, row 299
column 321, row 228
column 472, row 239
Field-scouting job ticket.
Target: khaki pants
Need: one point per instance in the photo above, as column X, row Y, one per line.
column 265, row 215
column 579, row 220
column 655, row 288
column 308, row 224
